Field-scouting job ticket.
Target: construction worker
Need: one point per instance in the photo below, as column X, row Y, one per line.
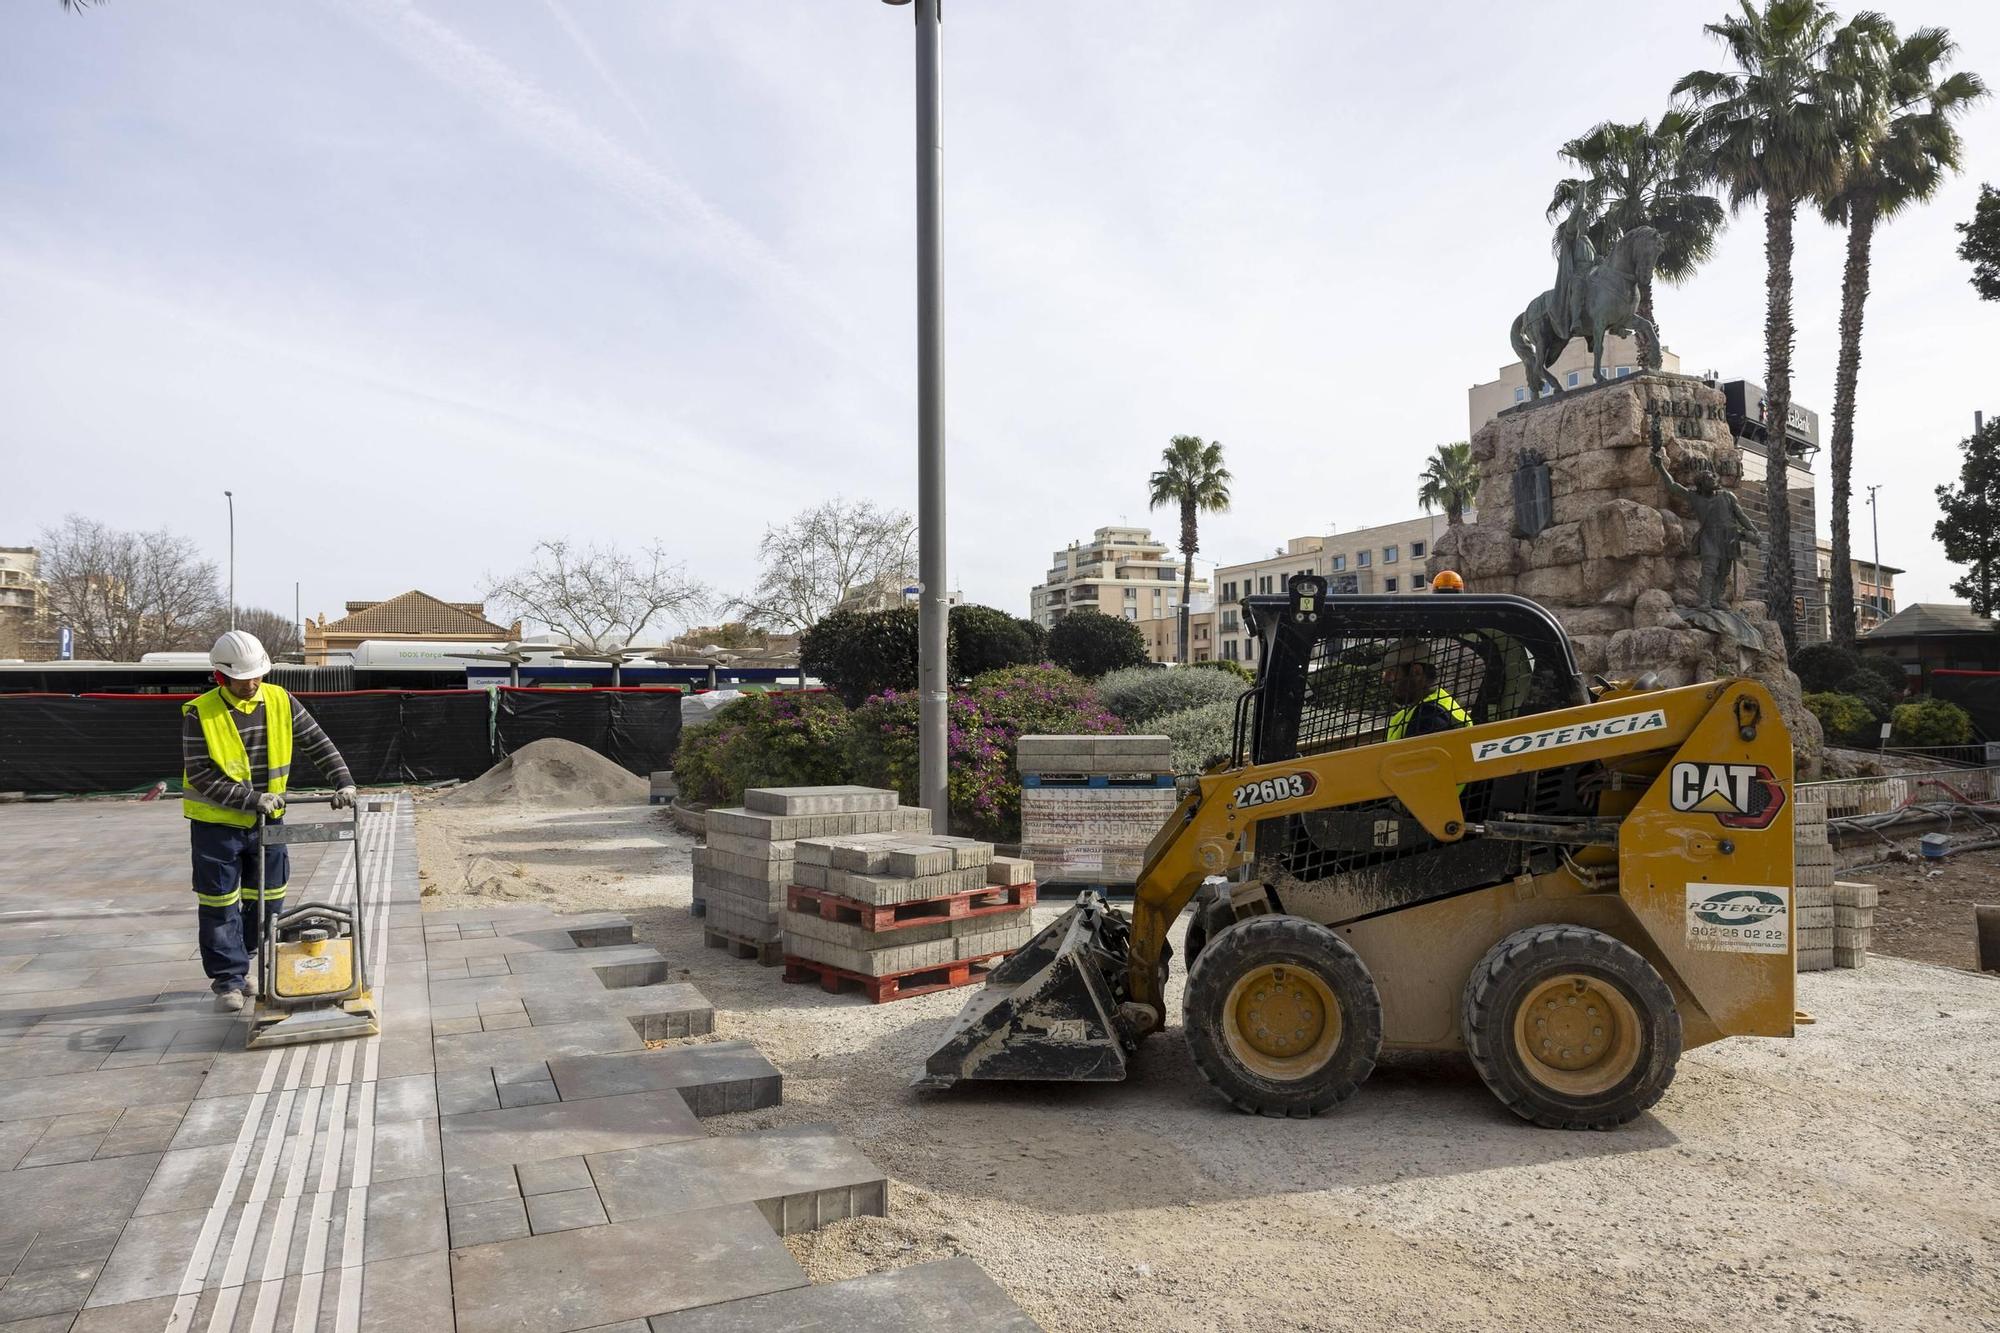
column 237, row 743
column 1409, row 673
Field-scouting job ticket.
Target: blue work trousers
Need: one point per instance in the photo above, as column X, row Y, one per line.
column 227, row 901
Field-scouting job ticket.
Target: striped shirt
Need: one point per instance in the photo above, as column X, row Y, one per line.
column 212, row 785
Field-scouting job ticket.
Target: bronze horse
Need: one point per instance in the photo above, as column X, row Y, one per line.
column 1609, row 300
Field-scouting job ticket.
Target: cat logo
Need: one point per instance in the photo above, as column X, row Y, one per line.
column 1745, row 796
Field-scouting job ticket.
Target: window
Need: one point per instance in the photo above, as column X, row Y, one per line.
column 1229, row 591
column 1339, row 563
column 1574, row 377
column 1390, row 555
column 1388, row 585
column 1229, row 649
column 1521, row 394
column 1131, row 594
column 1362, row 559
column 1416, row 550
column 1131, row 613
column 1623, row 371
column 1547, row 389
column 1419, row 582
column 1264, row 583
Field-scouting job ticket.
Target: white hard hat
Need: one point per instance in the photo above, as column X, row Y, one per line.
column 240, row 656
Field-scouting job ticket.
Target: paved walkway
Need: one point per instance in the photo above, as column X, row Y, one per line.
column 521, row 1148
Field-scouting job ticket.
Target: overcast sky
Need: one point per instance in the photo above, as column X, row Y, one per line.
column 426, row 280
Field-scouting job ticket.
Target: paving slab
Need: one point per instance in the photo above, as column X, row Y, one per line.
column 800, row 1178
column 566, row 1129
column 67, row 1094
column 950, row 1294
column 587, row 1037
column 592, row 1276
column 713, row 1077
column 407, row 1295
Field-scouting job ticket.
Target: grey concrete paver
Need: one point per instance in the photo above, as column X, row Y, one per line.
column 713, row 1076
column 566, row 1129
column 950, row 1294
column 492, row 1220
column 554, row 1175
column 801, row 1178
column 601, row 1275
column 407, row 1295
column 590, row 1037
column 565, row 1211
column 405, row 1217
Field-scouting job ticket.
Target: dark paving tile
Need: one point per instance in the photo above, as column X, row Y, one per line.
column 407, row 1148
column 565, row 1211
column 528, row 1094
column 80, row 1196
column 553, row 1176
column 613, row 1273
column 484, row 1223
column 186, row 1178
column 712, row 1076
column 405, row 1217
column 801, row 1178
column 16, row 1137
column 949, row 1294
column 67, row 1094
column 566, row 1129
column 47, row 1291
column 410, row 1097
column 150, row 1258
column 463, row 1090
column 536, row 1043
column 407, row 1295
column 148, row 1316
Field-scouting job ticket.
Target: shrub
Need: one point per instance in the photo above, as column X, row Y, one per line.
column 1927, row 721
column 986, row 721
column 1092, row 644
column 863, row 653
column 1844, row 718
column 1139, row 694
column 1888, row 669
column 986, row 639
column 764, row 740
column 1201, row 735
column 1824, row 667
column 1869, row 689
column 1223, row 664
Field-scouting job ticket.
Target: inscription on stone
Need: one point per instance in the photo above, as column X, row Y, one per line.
column 1686, row 414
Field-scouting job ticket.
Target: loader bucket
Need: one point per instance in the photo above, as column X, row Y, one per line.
column 1051, row 1012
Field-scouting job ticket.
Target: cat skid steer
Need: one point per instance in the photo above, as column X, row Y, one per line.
column 1572, row 887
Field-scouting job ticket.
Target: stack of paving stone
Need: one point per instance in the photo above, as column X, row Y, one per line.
column 1853, row 923
column 741, row 876
column 664, row 788
column 1812, row 893
column 902, row 914
column 1090, row 804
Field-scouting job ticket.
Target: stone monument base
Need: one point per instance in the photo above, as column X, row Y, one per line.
column 1601, row 545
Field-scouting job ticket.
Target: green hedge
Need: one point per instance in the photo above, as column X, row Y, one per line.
column 1139, row 694
column 764, row 740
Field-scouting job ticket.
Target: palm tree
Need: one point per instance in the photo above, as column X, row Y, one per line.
column 1900, row 145
column 1642, row 175
column 1769, row 129
column 1451, row 482
column 1193, row 478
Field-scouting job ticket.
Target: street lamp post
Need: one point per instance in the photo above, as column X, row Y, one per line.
column 932, row 605
column 1875, row 570
column 231, row 497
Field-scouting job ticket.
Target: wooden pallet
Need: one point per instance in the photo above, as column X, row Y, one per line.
column 897, row 985
column 983, row 901
column 769, row 953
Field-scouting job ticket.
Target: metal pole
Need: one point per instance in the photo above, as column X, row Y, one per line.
column 1875, row 571
column 298, row 620
column 231, row 497
column 932, row 683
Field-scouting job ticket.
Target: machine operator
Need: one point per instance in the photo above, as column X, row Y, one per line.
column 1409, row 672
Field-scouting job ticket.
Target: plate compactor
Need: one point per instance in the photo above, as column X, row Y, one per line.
column 1569, row 879
column 312, row 960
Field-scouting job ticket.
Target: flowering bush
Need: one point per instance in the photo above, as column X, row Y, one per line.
column 1140, row 694
column 764, row 740
column 985, row 722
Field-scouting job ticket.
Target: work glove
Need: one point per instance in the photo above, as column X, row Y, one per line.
column 270, row 805
column 344, row 798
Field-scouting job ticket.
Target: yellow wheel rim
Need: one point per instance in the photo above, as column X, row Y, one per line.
column 1577, row 1034
column 1281, row 1021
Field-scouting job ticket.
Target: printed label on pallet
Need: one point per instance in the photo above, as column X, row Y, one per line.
column 1739, row 918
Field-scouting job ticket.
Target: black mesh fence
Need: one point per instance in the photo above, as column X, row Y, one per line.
column 637, row 729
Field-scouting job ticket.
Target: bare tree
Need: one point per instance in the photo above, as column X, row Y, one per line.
column 821, row 555
column 598, row 595
column 125, row 594
column 278, row 632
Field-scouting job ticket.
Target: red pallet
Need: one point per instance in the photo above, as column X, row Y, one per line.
column 982, row 901
column 897, row 985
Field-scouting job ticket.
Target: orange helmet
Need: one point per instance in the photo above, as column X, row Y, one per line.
column 1447, row 580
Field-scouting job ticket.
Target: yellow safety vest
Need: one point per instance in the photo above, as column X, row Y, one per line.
column 1399, row 725
column 226, row 749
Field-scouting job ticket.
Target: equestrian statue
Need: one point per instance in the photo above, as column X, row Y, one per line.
column 1591, row 300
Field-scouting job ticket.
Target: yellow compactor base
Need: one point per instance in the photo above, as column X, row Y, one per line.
column 281, row 1025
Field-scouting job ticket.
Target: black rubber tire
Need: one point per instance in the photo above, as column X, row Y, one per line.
column 1507, row 975
column 1257, row 941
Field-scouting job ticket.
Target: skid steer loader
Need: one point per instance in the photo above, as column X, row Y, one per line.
column 1572, row 882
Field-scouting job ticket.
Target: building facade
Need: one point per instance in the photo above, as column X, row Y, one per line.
column 1483, row 402
column 1384, row 559
column 1163, row 633
column 1121, row 572
column 414, row 615
column 1874, row 595
column 24, row 629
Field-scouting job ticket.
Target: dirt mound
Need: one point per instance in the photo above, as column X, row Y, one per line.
column 552, row 772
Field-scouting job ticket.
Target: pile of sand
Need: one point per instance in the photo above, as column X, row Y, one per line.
column 552, row 772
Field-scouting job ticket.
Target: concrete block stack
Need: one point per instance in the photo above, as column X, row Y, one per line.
column 663, row 787
column 1853, row 923
column 901, row 914
column 1812, row 891
column 1090, row 804
column 741, row 875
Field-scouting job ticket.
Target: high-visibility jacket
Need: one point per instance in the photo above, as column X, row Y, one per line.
column 1399, row 724
column 225, row 747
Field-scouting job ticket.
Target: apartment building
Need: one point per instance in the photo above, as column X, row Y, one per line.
column 1486, row 401
column 1120, row 571
column 1388, row 558
column 24, row 629
column 1163, row 633
column 1874, row 595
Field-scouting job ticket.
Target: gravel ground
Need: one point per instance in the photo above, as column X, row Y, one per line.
column 1840, row 1180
